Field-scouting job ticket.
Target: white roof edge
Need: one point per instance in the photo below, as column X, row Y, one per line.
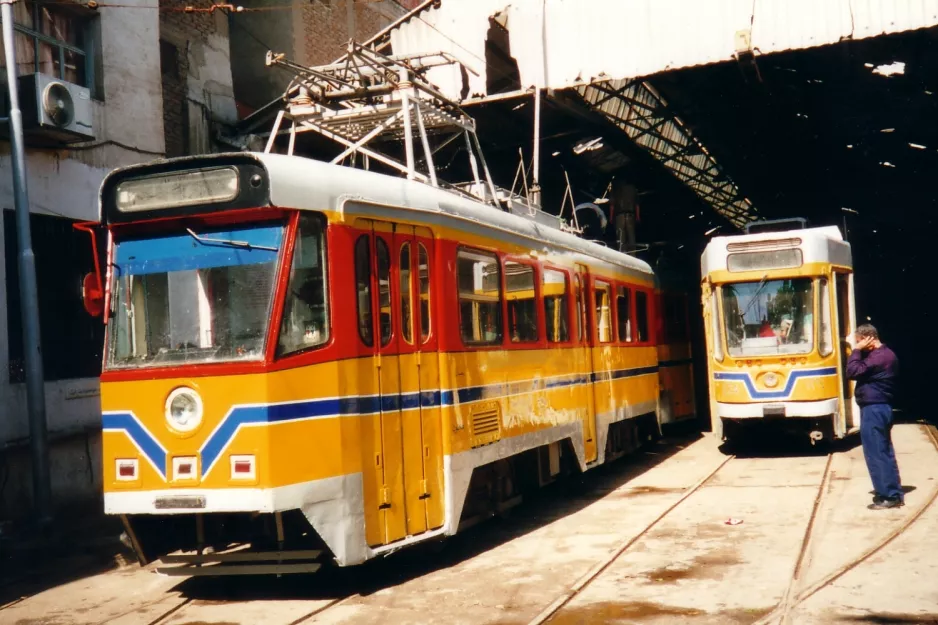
column 336, row 182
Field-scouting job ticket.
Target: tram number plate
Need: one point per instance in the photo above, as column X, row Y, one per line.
column 190, row 502
column 773, row 410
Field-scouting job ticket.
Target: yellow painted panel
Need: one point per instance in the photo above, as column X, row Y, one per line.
column 413, row 450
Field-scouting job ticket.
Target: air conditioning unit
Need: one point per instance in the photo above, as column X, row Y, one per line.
column 54, row 109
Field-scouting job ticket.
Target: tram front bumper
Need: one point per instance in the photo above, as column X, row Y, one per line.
column 788, row 409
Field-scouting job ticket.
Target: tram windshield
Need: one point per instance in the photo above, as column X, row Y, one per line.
column 193, row 297
column 769, row 317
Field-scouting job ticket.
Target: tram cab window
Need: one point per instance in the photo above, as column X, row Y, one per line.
column 179, row 299
column 641, row 316
column 624, row 313
column 480, row 304
column 769, row 317
column 554, row 286
column 826, row 339
column 603, row 296
column 522, row 302
column 305, row 320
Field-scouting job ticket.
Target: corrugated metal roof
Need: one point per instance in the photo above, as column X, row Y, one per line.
column 615, row 39
column 596, row 46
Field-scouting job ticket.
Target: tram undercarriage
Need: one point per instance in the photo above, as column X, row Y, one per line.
column 243, row 543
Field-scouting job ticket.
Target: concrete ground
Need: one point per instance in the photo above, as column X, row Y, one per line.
column 688, row 566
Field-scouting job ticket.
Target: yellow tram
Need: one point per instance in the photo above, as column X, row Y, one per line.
column 777, row 302
column 306, row 359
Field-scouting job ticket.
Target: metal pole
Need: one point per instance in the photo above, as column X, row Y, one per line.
column 29, row 294
column 408, row 130
column 536, row 183
column 426, row 143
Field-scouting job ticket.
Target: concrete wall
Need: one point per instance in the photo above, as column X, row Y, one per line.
column 310, row 32
column 129, row 128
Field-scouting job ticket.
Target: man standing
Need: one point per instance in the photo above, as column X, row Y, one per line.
column 876, row 369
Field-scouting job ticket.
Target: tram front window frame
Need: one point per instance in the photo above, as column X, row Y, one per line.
column 770, row 317
column 194, row 295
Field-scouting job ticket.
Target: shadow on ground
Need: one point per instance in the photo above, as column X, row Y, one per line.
column 82, row 543
column 551, row 504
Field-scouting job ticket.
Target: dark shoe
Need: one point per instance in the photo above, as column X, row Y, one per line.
column 878, row 499
column 885, row 504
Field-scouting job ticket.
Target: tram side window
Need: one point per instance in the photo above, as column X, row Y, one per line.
column 363, row 289
column 641, row 315
column 423, row 266
column 580, row 310
column 407, row 304
column 554, row 288
column 624, row 313
column 603, row 296
column 522, row 302
column 480, row 303
column 306, row 309
column 383, row 256
column 826, row 342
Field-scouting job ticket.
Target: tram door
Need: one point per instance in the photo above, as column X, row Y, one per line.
column 584, row 341
column 846, row 324
column 401, row 322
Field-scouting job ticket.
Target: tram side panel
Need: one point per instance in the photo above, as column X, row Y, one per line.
column 675, row 359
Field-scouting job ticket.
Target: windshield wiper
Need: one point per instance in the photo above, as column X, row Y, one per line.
column 753, row 299
column 239, row 244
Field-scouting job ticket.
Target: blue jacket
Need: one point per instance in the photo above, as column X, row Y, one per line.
column 876, row 373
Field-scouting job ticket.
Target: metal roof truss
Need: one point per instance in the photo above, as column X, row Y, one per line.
column 639, row 111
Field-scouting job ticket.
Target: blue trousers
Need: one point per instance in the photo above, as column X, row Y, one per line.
column 876, row 435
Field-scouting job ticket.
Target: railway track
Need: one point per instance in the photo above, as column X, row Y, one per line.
column 782, row 613
column 795, row 593
column 164, row 617
column 581, row 584
column 799, row 588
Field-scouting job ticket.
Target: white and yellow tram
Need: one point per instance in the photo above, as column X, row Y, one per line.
column 777, row 305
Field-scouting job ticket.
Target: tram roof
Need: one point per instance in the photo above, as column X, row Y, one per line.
column 307, row 184
column 292, row 176
column 817, row 245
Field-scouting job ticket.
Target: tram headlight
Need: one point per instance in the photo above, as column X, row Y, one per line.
column 770, row 380
column 184, row 410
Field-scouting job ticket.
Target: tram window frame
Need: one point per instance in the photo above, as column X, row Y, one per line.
column 473, row 255
column 642, row 317
column 564, row 334
column 426, row 328
column 527, row 331
column 384, row 271
column 598, row 287
column 624, row 330
column 579, row 309
column 292, row 299
column 405, row 292
column 368, row 321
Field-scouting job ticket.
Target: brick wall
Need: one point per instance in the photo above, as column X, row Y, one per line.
column 311, row 32
column 176, row 30
column 196, row 88
column 329, row 25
